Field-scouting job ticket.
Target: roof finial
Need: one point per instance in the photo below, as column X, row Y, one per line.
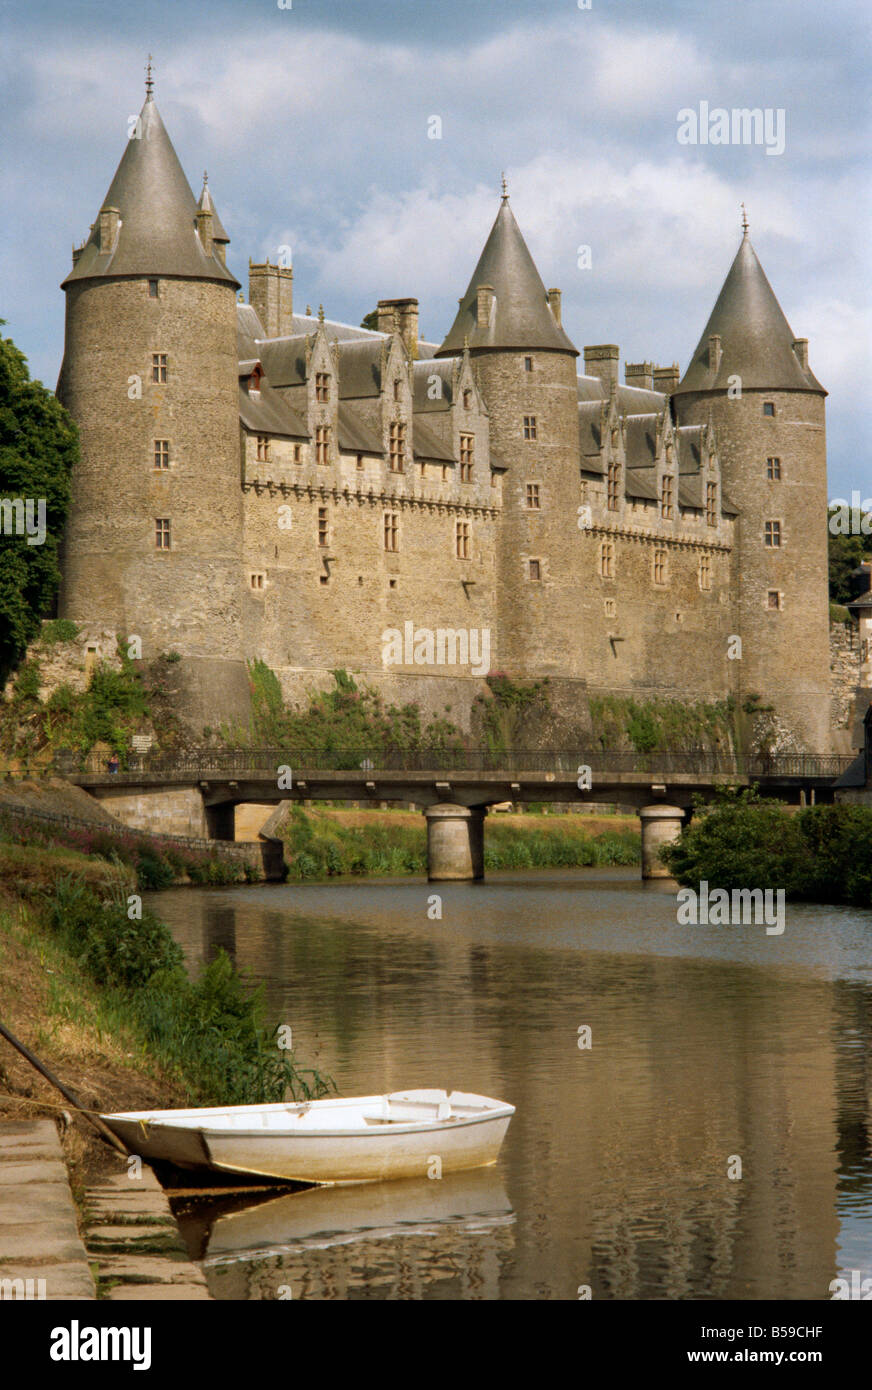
column 505, row 188
column 205, row 178
column 149, row 80
column 320, row 313
column 744, row 219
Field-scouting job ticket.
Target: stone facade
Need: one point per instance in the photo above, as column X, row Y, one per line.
column 327, row 486
column 844, row 665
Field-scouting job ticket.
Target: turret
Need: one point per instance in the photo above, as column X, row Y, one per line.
column 750, row 376
column 525, row 365
column 150, row 376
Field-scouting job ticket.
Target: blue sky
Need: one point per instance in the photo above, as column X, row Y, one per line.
column 313, row 123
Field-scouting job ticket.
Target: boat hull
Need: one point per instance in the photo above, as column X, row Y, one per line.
column 359, row 1157
column 318, row 1143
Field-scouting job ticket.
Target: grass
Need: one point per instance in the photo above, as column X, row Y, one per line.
column 324, row 843
column 150, row 861
column 105, row 1001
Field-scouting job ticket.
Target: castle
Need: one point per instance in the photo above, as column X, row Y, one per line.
column 259, row 483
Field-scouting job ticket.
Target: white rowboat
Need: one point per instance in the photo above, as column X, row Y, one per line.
column 362, row 1139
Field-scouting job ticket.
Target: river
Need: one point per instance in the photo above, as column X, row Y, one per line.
column 713, row 1141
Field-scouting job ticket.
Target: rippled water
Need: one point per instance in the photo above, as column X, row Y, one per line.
column 708, row 1043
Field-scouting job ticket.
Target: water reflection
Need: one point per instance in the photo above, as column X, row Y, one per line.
column 707, row 1043
column 294, row 1240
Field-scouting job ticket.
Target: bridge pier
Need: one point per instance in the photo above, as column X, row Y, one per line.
column 661, row 825
column 455, row 842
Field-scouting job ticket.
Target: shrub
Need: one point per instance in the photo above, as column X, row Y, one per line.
column 210, row 1030
column 58, row 630
column 823, row 853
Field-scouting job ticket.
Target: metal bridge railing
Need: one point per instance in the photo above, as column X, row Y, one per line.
column 233, row 763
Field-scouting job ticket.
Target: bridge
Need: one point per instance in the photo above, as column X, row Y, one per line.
column 454, row 788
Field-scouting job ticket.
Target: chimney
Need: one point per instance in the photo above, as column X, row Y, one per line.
column 602, row 361
column 387, row 316
column 204, row 229
column 110, row 219
column 271, row 294
column 666, row 379
column 400, row 316
column 800, row 347
column 714, row 351
column 484, row 305
column 554, row 304
column 640, row 374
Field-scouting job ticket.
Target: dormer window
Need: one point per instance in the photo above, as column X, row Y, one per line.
column 467, row 399
column 397, row 389
column 322, row 387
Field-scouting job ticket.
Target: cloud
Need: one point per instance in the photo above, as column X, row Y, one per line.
column 315, row 134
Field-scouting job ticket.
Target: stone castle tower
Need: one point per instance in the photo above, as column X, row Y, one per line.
column 257, row 482
column 750, row 376
column 153, row 543
column 526, row 368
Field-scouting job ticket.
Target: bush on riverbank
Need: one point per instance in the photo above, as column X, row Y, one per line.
column 821, row 854
column 208, row 1032
column 319, row 846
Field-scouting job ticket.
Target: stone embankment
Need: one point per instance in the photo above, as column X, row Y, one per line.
column 132, row 1245
column 132, row 1236
column 41, row 1251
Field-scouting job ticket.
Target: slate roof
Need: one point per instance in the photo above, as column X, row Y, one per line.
column 641, row 440
column 308, row 323
column 632, row 400
column 521, row 316
column 360, row 368
column 425, row 368
column 756, row 339
column 426, row 444
column 158, row 233
column 688, row 439
column 207, row 205
column 590, row 434
column 355, row 435
column 266, row 412
column 249, row 331
column 641, row 483
column 284, row 360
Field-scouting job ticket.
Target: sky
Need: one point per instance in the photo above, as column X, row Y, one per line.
column 315, row 123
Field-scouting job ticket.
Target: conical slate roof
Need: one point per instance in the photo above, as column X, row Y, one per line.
column 206, row 204
column 521, row 316
column 756, row 339
column 158, row 231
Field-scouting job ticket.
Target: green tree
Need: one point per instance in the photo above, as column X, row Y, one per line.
column 846, row 552
column 38, row 447
column 370, row 320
